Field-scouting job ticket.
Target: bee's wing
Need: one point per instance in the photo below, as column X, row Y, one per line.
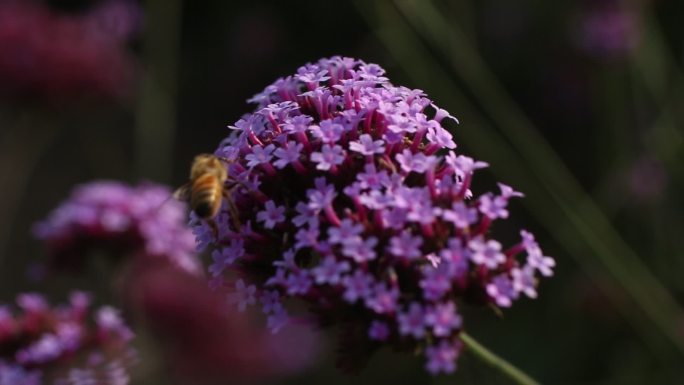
column 183, row 192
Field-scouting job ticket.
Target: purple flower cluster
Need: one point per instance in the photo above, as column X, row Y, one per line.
column 352, row 198
column 62, row 345
column 142, row 220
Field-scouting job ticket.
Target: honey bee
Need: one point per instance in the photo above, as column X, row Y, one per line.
column 206, row 189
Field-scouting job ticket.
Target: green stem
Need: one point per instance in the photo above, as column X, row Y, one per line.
column 487, row 356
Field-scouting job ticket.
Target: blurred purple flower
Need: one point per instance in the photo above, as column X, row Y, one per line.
column 116, row 19
column 12, row 374
column 378, row 229
column 243, row 295
column 47, row 344
column 608, row 29
column 206, row 343
column 59, row 57
column 126, row 221
column 647, row 179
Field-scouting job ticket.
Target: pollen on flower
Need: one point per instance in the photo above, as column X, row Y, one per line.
column 351, row 197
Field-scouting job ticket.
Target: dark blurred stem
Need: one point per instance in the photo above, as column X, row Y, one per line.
column 656, row 69
column 156, row 115
column 613, row 98
column 21, row 147
column 516, row 375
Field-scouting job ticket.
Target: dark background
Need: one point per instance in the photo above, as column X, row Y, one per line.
column 577, row 104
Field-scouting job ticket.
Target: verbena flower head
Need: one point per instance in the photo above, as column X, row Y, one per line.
column 351, row 197
column 139, row 221
column 63, row 345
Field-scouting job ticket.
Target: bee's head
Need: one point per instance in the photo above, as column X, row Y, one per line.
column 207, row 164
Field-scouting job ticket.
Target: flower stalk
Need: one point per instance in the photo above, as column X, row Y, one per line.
column 490, row 358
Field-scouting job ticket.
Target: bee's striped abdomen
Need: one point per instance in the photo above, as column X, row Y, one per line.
column 205, row 196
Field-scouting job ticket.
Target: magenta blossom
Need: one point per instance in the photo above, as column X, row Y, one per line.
column 608, row 29
column 352, row 198
column 58, row 57
column 66, row 344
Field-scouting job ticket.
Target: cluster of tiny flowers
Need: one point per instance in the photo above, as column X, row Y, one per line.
column 351, row 197
column 143, row 220
column 63, row 345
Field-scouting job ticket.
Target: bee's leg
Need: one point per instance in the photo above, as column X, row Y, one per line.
column 214, row 227
column 234, row 212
